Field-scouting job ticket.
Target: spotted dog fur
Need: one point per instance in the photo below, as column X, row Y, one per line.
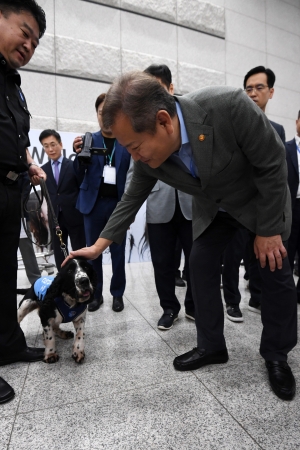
column 76, row 283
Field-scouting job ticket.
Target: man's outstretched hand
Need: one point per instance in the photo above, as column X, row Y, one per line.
column 270, row 248
column 89, row 252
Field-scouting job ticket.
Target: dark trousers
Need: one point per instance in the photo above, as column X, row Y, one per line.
column 162, row 242
column 232, row 256
column 279, row 300
column 294, row 240
column 12, row 338
column 75, row 233
column 94, row 224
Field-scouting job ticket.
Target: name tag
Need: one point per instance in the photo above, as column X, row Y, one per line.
column 109, row 175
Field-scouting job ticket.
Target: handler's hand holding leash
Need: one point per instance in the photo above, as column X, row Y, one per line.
column 270, row 248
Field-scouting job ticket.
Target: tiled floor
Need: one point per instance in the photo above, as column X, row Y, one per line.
column 126, row 395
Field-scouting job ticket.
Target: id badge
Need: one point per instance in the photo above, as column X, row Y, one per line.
column 109, row 175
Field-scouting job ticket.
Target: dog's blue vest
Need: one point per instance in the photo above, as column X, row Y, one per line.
column 68, row 314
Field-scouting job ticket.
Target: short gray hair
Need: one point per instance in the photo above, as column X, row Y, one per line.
column 139, row 96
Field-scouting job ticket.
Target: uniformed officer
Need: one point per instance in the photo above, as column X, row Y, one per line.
column 22, row 24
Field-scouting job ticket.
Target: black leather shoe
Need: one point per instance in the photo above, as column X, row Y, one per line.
column 179, row 282
column 118, row 304
column 29, row 354
column 95, row 304
column 6, row 391
column 197, row 358
column 281, row 379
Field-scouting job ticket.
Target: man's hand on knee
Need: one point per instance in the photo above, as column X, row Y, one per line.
column 270, row 248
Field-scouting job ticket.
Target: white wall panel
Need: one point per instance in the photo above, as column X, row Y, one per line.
column 283, row 44
column 76, row 99
column 40, row 92
column 245, row 31
column 254, row 8
column 144, row 35
column 283, row 15
column 88, row 22
column 286, row 72
column 201, row 50
column 239, row 59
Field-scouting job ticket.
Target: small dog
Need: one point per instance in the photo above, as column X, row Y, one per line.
column 61, row 299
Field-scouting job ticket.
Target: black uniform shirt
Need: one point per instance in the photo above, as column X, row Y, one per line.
column 14, row 121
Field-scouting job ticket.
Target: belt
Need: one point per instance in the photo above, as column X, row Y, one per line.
column 9, row 178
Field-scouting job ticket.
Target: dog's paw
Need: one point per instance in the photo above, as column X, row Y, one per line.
column 51, row 358
column 78, row 356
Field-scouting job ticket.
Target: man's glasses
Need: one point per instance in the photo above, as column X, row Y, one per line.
column 257, row 88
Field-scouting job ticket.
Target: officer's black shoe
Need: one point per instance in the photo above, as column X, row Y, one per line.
column 29, row 354
column 281, row 379
column 95, row 304
column 6, row 391
column 118, row 304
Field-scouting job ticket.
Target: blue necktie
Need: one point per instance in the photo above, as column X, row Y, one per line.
column 56, row 171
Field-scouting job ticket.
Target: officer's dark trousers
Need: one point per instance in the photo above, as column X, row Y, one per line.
column 162, row 240
column 12, row 339
column 279, row 300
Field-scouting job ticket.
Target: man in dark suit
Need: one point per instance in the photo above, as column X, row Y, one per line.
column 234, row 166
column 259, row 86
column 293, row 163
column 98, row 196
column 63, row 187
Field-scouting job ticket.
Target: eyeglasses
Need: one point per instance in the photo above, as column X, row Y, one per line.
column 52, row 145
column 257, row 88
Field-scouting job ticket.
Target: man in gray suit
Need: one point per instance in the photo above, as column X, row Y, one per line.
column 169, row 217
column 216, row 145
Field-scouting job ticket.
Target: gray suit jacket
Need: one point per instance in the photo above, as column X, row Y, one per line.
column 161, row 204
column 241, row 164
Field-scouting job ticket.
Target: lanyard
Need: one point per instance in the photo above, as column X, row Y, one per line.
column 298, row 148
column 109, row 157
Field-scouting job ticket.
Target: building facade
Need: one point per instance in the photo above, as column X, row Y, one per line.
column 89, row 43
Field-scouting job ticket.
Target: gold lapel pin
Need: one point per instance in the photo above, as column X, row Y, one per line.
column 201, row 137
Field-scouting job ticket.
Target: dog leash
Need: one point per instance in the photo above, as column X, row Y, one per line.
column 44, row 194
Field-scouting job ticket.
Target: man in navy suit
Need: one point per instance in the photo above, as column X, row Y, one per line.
column 63, row 187
column 103, row 184
column 293, row 162
column 259, row 86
